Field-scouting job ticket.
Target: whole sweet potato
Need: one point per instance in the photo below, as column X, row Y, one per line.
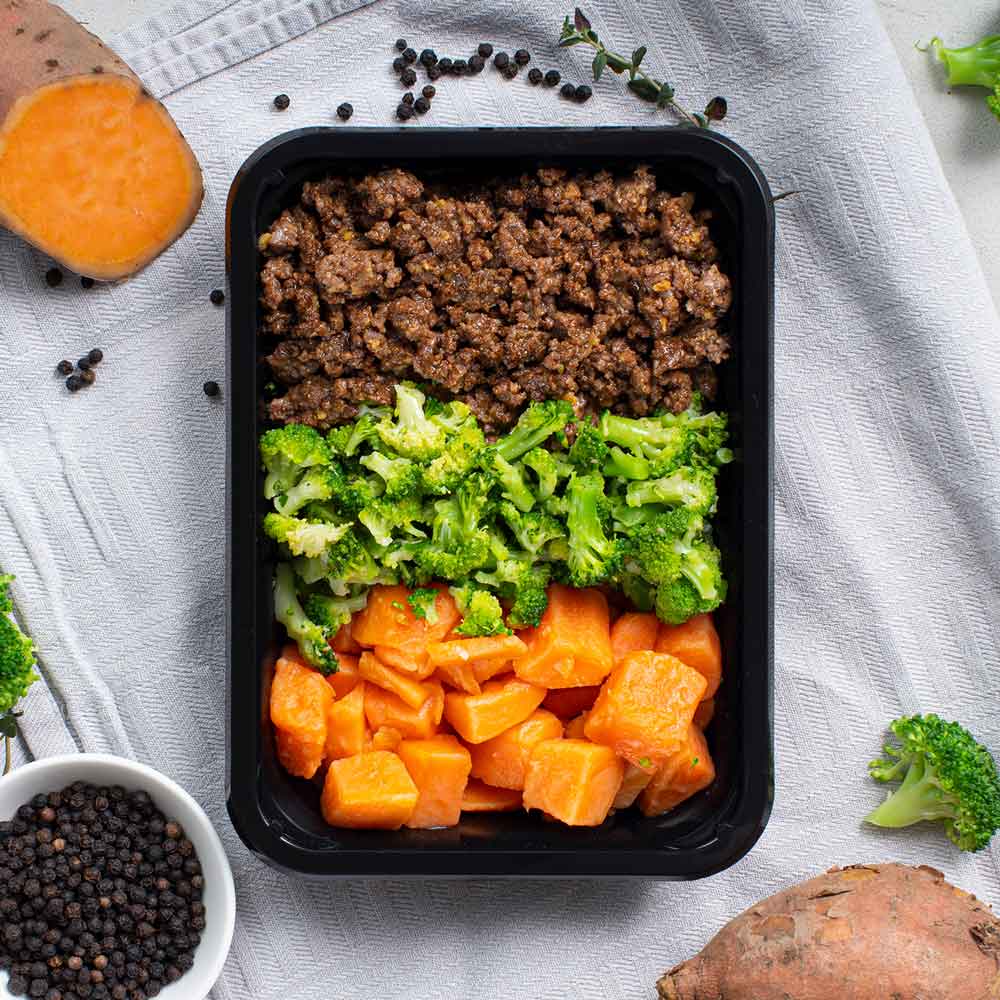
column 867, row 932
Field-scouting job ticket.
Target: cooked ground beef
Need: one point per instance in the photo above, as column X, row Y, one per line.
column 601, row 290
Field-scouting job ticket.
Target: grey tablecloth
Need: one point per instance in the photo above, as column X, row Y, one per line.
column 888, row 410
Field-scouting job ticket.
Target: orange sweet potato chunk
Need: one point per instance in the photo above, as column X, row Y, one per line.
column 460, row 676
column 704, row 713
column 439, row 768
column 696, row 644
column 384, row 738
column 343, row 641
column 501, row 704
column 346, row 727
column 574, row 728
column 573, row 780
column 413, row 664
column 633, row 631
column 480, row 797
column 456, row 652
column 503, row 760
column 382, row 708
column 370, row 791
column 411, row 691
column 485, row 670
column 684, row 774
column 635, row 780
column 571, row 647
column 300, row 700
column 645, row 708
column 388, row 620
column 568, row 703
column 345, row 680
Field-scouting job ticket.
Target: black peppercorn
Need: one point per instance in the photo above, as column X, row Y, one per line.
column 53, row 277
column 64, row 367
column 501, row 59
column 404, row 112
column 421, row 105
column 509, row 71
column 74, row 384
column 716, row 109
column 552, row 78
column 476, row 64
column 535, row 76
column 407, row 98
column 429, row 92
column 522, row 57
column 88, row 376
column 84, row 363
column 408, row 77
column 400, row 44
column 433, row 72
column 583, row 93
column 217, row 296
column 398, row 65
column 409, row 56
column 444, row 65
column 282, row 102
column 210, row 388
column 344, row 111
column 459, row 67
column 428, row 57
column 568, row 91
column 86, row 282
column 485, row 50
column 95, row 356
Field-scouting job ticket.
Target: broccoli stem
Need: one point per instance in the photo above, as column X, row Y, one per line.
column 918, row 798
column 8, row 758
column 975, row 65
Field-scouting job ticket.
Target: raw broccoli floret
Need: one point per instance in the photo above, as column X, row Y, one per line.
column 686, row 487
column 312, row 638
column 333, row 612
column 589, row 451
column 945, row 776
column 976, row 65
column 535, row 425
column 509, row 478
column 534, row 529
column 383, row 518
column 481, row 612
column 411, row 434
column 593, row 557
column 400, row 475
column 286, row 452
column 17, row 658
column 423, row 603
column 303, row 538
column 549, row 467
column 348, row 439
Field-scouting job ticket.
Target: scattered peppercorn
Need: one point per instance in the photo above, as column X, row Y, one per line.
column 95, row 355
column 583, row 93
column 88, row 376
column 211, row 388
column 421, row 105
column 429, row 92
column 485, row 49
column 408, row 97
column 409, row 56
column 398, row 65
column 404, row 112
column 217, row 296
column 535, row 76
column 282, row 102
column 459, row 67
column 522, row 57
column 86, row 282
column 84, row 363
column 65, row 367
column 53, row 277
column 433, row 72
column 552, row 78
column 501, row 59
column 401, row 45
column 408, row 77
column 444, row 65
column 344, row 111
column 509, row 71
column 716, row 109
column 74, row 383
column 428, row 57
column 476, row 64
column 568, row 91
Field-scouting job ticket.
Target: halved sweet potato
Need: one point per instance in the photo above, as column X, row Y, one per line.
column 439, row 768
column 695, row 643
column 300, row 701
column 370, row 791
column 503, row 760
column 573, row 780
column 502, row 704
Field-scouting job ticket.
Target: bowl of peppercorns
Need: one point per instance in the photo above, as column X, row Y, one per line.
column 113, row 884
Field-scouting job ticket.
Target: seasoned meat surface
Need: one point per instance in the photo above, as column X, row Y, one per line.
column 600, row 289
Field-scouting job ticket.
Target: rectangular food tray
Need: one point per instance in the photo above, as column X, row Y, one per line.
column 278, row 816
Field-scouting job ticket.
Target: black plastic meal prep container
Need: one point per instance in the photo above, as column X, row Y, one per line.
column 277, row 815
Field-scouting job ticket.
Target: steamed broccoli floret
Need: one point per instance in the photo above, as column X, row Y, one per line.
column 303, row 538
column 411, row 433
column 286, row 452
column 351, row 563
column 352, row 492
column 315, row 484
column 509, row 478
column 383, row 518
column 535, row 425
column 460, row 537
column 663, row 443
column 400, row 475
column 626, row 465
column 348, row 439
column 461, row 452
column 423, row 603
column 593, row 557
column 687, row 487
column 312, row 638
column 481, row 612
column 521, row 582
column 534, row 529
column 946, row 775
column 589, row 451
column 549, row 468
column 17, row 658
column 975, row 65
column 333, row 612
column 640, row 592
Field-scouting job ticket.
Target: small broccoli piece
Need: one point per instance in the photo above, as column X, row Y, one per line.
column 535, row 425
column 522, row 582
column 400, row 475
column 316, row 484
column 312, row 638
column 945, row 776
column 549, row 467
column 663, row 442
column 351, row 563
column 509, row 478
column 17, row 658
column 459, row 457
column 640, row 592
column 348, row 439
column 976, row 65
column 589, row 451
column 423, row 604
column 460, row 537
column 481, row 612
column 533, row 530
column 351, row 492
column 384, row 517
column 286, row 452
column 687, row 487
column 626, row 465
column 411, row 434
column 333, row 612
column 303, row 538
column 676, row 601
column 593, row 557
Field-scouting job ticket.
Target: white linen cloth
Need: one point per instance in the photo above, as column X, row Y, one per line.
column 887, row 515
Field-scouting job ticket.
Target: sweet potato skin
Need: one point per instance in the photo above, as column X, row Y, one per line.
column 868, row 932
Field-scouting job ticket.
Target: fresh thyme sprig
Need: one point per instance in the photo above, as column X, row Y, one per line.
column 579, row 32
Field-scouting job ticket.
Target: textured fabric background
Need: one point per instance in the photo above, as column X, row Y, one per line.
column 887, row 523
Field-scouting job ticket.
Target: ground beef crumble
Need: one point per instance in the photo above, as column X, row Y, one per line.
column 599, row 289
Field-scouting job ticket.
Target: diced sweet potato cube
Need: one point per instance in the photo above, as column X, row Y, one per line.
column 696, row 644
column 300, row 700
column 571, row 647
column 485, row 670
column 343, row 641
column 568, row 703
column 412, row 664
column 346, row 728
column 573, row 780
column 413, row 692
column 345, row 680
column 635, row 780
column 645, row 708
column 388, row 620
column 384, row 738
column 482, row 647
column 382, row 708
column 502, row 704
column 460, row 676
column 439, row 768
column 480, row 797
column 684, row 774
column 503, row 760
column 704, row 713
column 370, row 791
column 633, row 631
column 574, row 728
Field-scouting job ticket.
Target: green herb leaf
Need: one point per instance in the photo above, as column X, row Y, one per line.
column 700, row 119
column 8, row 724
column 600, row 61
column 637, row 56
column 618, row 63
column 666, row 96
column 694, row 763
column 580, row 20
column 645, row 89
column 398, row 605
column 645, row 762
column 572, row 39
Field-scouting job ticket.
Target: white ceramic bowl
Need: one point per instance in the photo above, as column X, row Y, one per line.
column 54, row 773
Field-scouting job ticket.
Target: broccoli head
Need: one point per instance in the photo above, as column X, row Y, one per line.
column 534, row 529
column 589, row 451
column 348, row 439
column 481, row 612
column 976, row 65
column 944, row 775
column 520, row 581
column 411, row 434
column 460, row 454
column 686, row 487
column 333, row 612
column 662, row 442
column 423, row 604
column 286, row 452
column 312, row 638
column 593, row 557
column 384, row 517
column 509, row 478
column 17, row 658
column 303, row 538
column 549, row 467
column 536, row 424
column 401, row 476
column 626, row 465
